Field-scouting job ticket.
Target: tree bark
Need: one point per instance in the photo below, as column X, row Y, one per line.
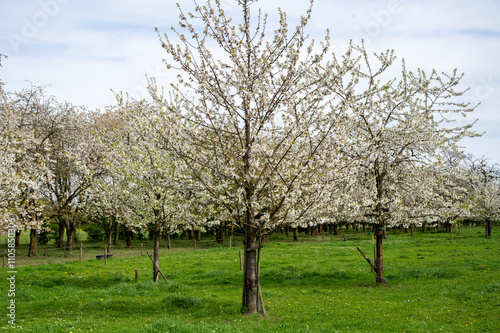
column 62, row 227
column 129, row 236
column 487, row 226
column 17, row 239
column 250, row 297
column 116, row 240
column 33, row 243
column 220, row 234
column 70, row 235
column 156, row 247
column 296, row 234
column 379, row 263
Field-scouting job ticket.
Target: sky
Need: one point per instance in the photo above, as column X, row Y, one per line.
column 84, row 50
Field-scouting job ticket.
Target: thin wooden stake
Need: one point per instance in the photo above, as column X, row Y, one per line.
column 106, row 257
column 81, row 251
column 194, row 244
column 241, row 263
column 136, row 275
column 451, row 231
column 158, row 268
column 141, row 249
column 230, row 240
column 374, row 269
column 373, row 240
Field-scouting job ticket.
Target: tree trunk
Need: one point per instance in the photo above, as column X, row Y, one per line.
column 116, row 240
column 220, row 234
column 129, row 235
column 156, row 254
column 191, row 234
column 62, row 227
column 17, row 239
column 33, row 243
column 379, row 264
column 70, row 235
column 296, row 234
column 250, row 297
column 487, row 227
column 335, row 229
column 197, row 234
column 156, row 245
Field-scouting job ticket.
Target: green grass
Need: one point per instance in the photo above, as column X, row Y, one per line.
column 321, row 285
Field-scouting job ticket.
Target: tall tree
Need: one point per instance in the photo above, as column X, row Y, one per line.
column 250, row 123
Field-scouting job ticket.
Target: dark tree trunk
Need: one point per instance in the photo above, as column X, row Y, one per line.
column 250, row 297
column 17, row 239
column 287, row 230
column 116, row 240
column 129, row 235
column 70, row 235
column 487, row 227
column 197, row 234
column 296, row 234
column 220, row 233
column 379, row 263
column 62, row 227
column 448, row 227
column 156, row 245
column 33, row 243
column 335, row 229
column 191, row 234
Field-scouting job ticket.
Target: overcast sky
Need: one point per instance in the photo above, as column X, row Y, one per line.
column 81, row 49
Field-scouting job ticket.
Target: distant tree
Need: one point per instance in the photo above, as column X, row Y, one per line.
column 484, row 179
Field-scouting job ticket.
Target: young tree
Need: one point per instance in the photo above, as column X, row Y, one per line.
column 250, row 124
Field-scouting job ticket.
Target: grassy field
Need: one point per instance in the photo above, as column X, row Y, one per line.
column 320, row 285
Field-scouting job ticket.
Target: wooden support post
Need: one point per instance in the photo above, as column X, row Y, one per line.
column 241, row 263
column 451, row 232
column 373, row 240
column 141, row 249
column 194, row 244
column 81, row 251
column 106, row 257
column 136, row 275
column 158, row 268
column 230, row 240
column 374, row 269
